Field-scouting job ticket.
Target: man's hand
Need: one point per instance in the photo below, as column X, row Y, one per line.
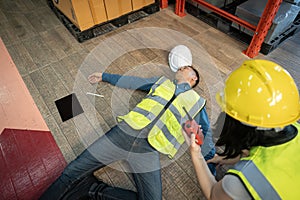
column 95, row 77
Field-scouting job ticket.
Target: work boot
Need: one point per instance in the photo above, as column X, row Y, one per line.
column 81, row 190
column 96, row 189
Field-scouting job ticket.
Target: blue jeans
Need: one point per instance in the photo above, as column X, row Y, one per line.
column 211, row 166
column 113, row 146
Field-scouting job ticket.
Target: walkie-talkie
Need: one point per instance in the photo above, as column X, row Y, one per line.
column 191, row 126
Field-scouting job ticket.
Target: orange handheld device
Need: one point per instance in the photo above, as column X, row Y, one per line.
column 191, row 126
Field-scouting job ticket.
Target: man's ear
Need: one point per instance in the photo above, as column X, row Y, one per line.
column 194, row 81
column 194, row 78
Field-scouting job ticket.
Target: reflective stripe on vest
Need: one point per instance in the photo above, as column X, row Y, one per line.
column 165, row 136
column 272, row 172
column 175, row 140
column 147, row 110
column 257, row 180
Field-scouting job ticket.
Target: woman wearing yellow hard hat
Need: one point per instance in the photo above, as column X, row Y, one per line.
column 259, row 135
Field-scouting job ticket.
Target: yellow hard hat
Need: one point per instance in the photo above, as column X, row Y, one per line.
column 261, row 93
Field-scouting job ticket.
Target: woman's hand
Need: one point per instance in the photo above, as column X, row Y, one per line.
column 95, row 77
column 220, row 160
column 217, row 160
column 191, row 141
column 194, row 147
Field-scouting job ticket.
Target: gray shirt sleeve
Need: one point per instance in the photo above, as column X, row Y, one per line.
column 234, row 187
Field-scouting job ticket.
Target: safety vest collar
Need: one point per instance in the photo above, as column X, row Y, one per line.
column 171, row 87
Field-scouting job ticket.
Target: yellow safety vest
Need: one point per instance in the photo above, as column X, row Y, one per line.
column 165, row 136
column 272, row 172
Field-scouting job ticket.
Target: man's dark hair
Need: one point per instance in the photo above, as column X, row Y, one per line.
column 235, row 136
column 198, row 77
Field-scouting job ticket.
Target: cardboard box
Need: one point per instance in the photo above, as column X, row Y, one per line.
column 138, row 4
column 83, row 14
column 117, row 8
column 98, row 11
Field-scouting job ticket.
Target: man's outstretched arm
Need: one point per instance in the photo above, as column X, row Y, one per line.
column 128, row 82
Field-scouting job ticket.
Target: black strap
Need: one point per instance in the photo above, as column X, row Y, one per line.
column 161, row 112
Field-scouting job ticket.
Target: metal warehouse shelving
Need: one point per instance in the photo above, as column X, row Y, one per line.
column 260, row 31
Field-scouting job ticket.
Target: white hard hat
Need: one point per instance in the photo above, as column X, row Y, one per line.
column 180, row 56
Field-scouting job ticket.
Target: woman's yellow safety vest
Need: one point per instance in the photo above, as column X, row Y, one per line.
column 272, row 172
column 165, row 136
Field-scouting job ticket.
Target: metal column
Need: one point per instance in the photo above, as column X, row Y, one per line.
column 263, row 26
column 179, row 8
column 163, row 4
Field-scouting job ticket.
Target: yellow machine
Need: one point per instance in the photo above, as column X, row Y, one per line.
column 138, row 4
column 85, row 14
column 117, row 8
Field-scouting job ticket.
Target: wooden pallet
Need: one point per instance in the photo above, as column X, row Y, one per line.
column 104, row 27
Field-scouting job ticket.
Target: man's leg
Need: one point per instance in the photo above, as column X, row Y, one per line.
column 149, row 185
column 102, row 152
column 211, row 166
column 146, row 170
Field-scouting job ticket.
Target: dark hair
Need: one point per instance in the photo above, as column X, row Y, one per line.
column 197, row 75
column 235, row 136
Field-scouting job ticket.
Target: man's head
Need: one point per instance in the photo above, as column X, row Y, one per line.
column 188, row 74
